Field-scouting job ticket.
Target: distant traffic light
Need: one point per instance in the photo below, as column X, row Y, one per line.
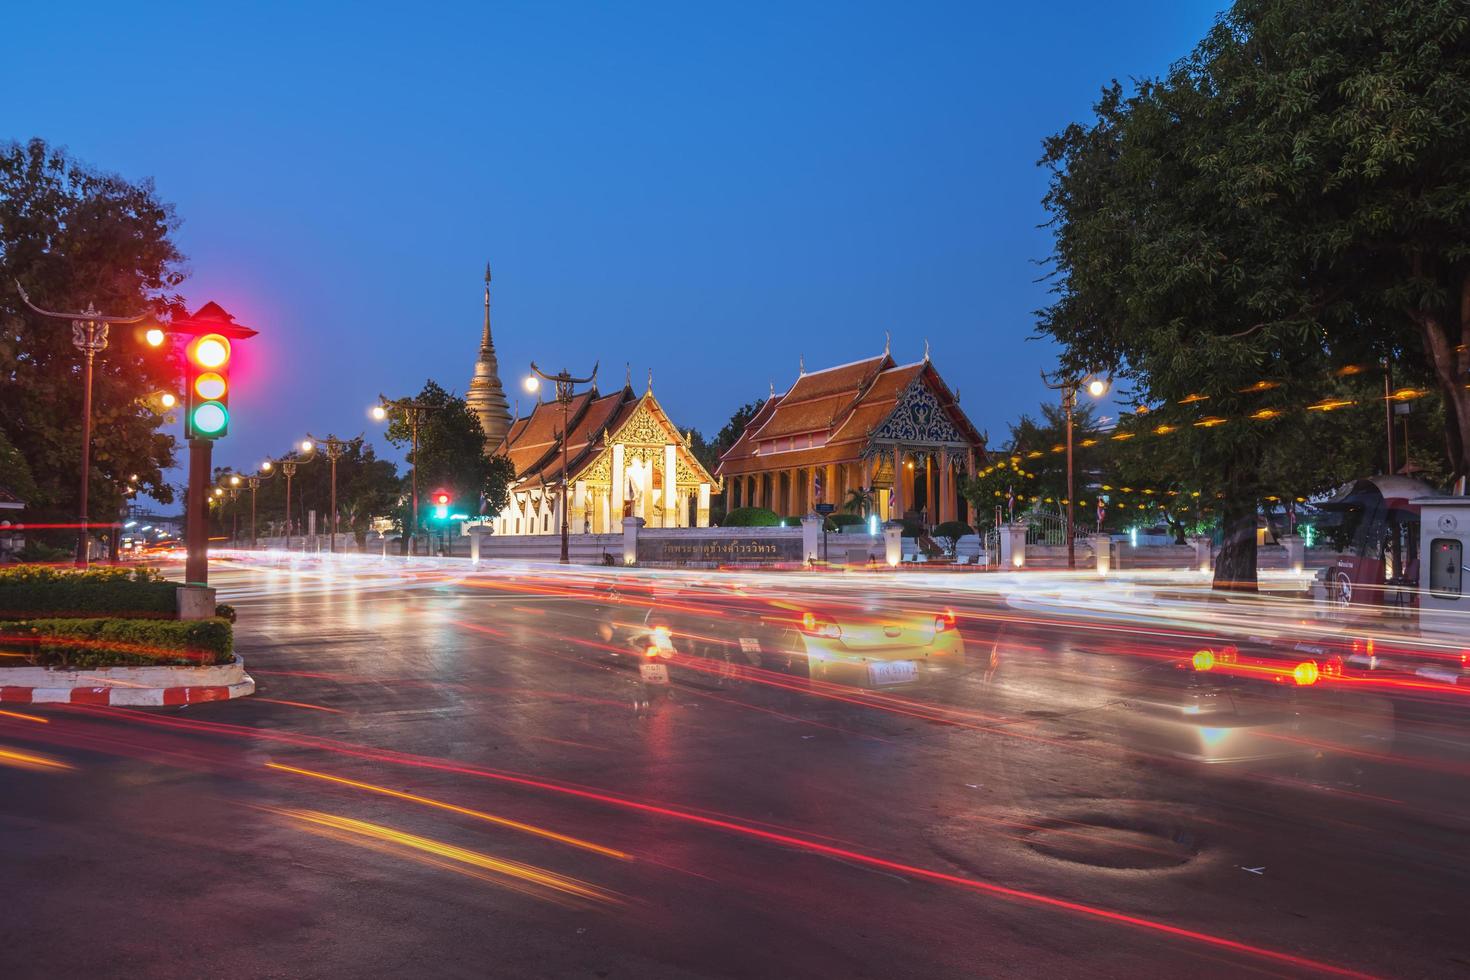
column 208, row 415
column 441, row 504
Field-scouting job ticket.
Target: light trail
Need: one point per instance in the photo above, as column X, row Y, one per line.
column 25, row 717
column 735, row 825
column 524, row 828
column 29, row 760
column 511, row 873
column 300, row 704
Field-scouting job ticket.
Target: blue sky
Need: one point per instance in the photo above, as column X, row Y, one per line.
column 706, row 190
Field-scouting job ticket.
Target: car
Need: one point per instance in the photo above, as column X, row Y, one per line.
column 722, row 633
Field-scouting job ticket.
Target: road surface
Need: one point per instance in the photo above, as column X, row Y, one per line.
column 445, row 775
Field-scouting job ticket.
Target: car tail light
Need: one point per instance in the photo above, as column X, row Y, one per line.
column 663, row 638
column 1305, row 673
column 814, row 625
column 1204, row 660
column 651, row 652
column 944, row 621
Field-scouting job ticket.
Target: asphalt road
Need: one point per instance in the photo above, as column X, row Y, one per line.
column 441, row 776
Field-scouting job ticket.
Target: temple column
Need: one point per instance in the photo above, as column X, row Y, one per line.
column 702, row 515
column 602, row 518
column 645, row 488
column 650, row 495
column 671, row 489
column 809, row 504
column 898, row 499
column 579, row 507
column 617, row 493
column 793, row 483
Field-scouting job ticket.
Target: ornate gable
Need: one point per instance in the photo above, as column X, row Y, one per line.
column 918, row 418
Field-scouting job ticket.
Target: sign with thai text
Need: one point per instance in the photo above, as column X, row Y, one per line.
column 721, row 550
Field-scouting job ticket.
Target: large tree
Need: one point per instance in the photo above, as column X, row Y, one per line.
column 451, row 453
column 1348, row 139
column 72, row 236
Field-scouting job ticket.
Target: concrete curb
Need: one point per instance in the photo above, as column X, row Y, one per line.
column 126, row 686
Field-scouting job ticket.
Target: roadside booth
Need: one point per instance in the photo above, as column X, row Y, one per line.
column 1444, row 542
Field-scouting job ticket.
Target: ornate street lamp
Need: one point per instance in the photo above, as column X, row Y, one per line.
column 1069, row 385
column 412, row 409
column 565, row 385
column 88, row 335
column 334, row 448
column 254, row 481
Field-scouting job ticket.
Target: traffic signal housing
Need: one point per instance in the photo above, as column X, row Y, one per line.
column 208, row 392
column 441, row 504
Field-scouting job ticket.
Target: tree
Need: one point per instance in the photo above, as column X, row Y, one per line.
column 451, row 452
column 735, row 428
column 15, row 473
column 73, row 236
column 1349, row 141
column 859, row 501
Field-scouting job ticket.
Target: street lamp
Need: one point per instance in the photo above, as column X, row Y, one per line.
column 412, row 410
column 254, row 482
column 565, row 384
column 288, row 470
column 334, row 448
column 1069, row 386
column 88, row 335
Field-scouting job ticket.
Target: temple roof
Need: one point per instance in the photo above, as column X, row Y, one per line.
column 829, row 416
column 534, row 448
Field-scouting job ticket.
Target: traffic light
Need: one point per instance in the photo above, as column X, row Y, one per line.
column 441, row 504
column 208, row 415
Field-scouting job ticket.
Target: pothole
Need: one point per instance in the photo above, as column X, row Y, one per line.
column 1109, row 843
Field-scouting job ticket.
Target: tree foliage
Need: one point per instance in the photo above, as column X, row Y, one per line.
column 1285, row 200
column 451, row 452
column 72, row 236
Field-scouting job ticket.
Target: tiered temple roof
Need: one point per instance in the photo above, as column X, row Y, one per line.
column 829, row 416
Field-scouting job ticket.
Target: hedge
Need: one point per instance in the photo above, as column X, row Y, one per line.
column 115, row 643
column 28, row 591
column 846, row 520
column 751, row 517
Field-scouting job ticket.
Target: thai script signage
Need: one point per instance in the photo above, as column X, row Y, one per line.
column 725, row 549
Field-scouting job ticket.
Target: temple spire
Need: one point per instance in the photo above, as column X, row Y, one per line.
column 486, row 396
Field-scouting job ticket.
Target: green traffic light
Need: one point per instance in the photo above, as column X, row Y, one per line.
column 210, row 418
column 441, row 512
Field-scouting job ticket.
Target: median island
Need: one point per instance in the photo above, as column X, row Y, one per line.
column 111, row 636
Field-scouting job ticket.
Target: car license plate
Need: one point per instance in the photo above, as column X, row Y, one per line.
column 654, row 673
column 749, row 645
column 892, row 671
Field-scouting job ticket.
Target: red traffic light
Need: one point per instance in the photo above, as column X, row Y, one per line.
column 441, row 498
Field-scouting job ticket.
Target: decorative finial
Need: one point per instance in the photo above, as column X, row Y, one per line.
column 926, row 350
column 650, row 381
column 887, row 342
column 801, row 364
column 627, row 374
column 487, row 273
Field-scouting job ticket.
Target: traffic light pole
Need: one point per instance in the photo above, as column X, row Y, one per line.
column 196, row 516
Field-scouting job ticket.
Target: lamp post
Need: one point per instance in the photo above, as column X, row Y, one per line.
column 254, row 481
column 288, row 470
column 1069, row 385
column 334, row 448
column 565, row 385
column 410, row 408
column 88, row 335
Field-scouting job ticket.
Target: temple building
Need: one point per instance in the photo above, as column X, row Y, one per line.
column 893, row 431
column 486, row 398
column 624, row 458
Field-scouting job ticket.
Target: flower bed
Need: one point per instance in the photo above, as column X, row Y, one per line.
column 30, row 591
column 91, row 643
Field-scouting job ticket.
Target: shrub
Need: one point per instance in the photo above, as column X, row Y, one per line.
column 914, row 529
column 752, row 517
column 118, row 642
column 33, row 590
column 225, row 611
column 953, row 530
column 845, row 520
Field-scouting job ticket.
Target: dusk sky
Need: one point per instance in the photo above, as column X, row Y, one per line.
column 707, row 191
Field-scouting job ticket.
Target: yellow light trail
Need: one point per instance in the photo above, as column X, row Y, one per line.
column 17, row 714
column 375, row 835
column 462, row 811
column 26, row 760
